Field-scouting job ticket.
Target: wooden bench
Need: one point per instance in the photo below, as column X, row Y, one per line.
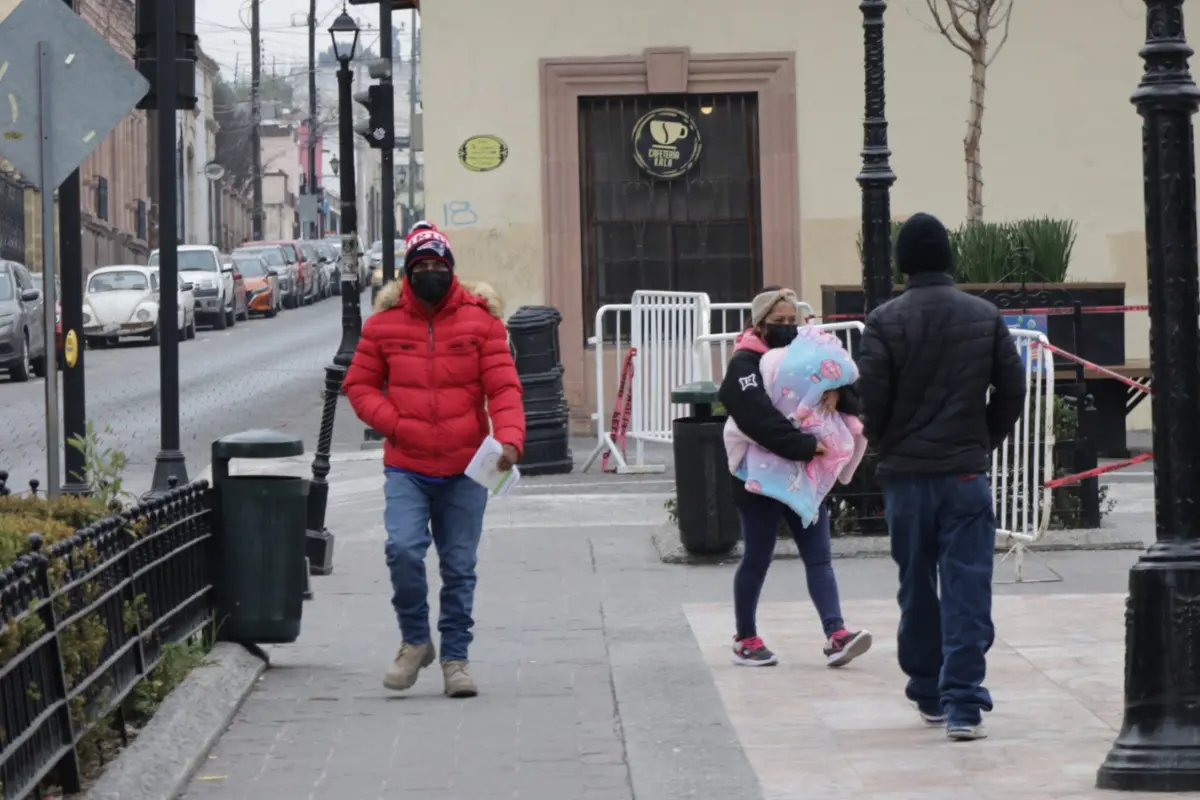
column 1114, row 400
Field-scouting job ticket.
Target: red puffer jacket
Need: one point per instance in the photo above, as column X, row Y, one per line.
column 428, row 381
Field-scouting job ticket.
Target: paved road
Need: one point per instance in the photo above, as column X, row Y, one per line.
column 258, row 374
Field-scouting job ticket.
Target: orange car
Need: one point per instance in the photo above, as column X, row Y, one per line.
column 262, row 284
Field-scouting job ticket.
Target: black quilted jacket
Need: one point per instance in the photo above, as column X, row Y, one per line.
column 927, row 361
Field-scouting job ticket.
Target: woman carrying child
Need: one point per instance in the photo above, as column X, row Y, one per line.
column 759, row 432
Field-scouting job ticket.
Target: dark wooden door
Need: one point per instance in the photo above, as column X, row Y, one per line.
column 700, row 232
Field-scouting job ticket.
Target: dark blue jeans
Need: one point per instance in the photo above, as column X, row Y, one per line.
column 453, row 511
column 760, row 525
column 943, row 526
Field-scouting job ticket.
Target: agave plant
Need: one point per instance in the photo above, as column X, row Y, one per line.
column 1046, row 245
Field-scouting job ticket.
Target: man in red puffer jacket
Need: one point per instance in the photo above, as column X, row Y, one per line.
column 432, row 365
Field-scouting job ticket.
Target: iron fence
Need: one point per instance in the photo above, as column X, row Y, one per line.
column 84, row 619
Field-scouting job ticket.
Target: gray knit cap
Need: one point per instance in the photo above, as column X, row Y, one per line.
column 762, row 304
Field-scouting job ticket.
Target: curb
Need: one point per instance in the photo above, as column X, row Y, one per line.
column 160, row 762
column 666, row 542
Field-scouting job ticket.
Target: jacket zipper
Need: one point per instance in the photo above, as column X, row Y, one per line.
column 432, row 403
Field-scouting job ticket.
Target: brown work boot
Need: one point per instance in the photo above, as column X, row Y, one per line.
column 459, row 682
column 411, row 659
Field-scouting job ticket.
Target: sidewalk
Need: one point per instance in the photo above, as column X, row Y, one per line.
column 604, row 676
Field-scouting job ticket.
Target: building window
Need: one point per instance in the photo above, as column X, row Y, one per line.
column 102, row 199
column 142, row 233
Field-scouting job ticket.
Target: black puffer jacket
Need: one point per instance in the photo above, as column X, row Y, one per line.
column 925, row 366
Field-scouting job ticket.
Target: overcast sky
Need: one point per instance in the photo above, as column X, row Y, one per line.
column 223, row 28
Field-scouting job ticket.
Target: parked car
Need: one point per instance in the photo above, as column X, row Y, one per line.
column 374, row 257
column 276, row 257
column 22, row 325
column 262, row 284
column 123, row 300
column 241, row 307
column 306, row 283
column 308, row 249
column 201, row 266
column 39, row 284
column 332, row 272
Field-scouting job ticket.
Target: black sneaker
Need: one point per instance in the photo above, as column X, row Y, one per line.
column 751, row 652
column 930, row 717
column 845, row 646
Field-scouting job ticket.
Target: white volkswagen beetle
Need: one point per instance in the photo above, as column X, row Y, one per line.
column 123, row 300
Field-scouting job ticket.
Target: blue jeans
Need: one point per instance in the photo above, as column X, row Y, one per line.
column 943, row 526
column 760, row 526
column 450, row 515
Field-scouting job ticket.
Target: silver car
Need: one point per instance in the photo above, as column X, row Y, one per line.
column 22, row 325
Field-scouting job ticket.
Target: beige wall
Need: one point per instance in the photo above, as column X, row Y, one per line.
column 1060, row 136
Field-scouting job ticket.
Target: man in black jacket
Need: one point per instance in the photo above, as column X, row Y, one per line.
column 927, row 362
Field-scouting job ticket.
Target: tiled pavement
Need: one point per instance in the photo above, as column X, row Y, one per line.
column 603, row 677
column 1055, row 676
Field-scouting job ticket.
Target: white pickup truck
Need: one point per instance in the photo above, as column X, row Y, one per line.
column 201, row 265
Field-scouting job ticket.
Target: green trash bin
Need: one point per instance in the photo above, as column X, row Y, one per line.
column 707, row 517
column 261, row 574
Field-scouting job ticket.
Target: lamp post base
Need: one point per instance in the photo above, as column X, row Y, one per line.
column 1158, row 748
column 169, row 465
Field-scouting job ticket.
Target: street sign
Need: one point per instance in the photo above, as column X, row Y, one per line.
column 89, row 86
column 214, row 171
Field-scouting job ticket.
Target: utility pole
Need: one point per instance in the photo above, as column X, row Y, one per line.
column 387, row 155
column 412, row 116
column 74, row 408
column 314, row 190
column 256, row 120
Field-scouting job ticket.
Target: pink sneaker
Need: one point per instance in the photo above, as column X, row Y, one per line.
column 844, row 646
column 751, row 652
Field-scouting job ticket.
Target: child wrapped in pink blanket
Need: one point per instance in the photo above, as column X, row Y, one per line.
column 796, row 378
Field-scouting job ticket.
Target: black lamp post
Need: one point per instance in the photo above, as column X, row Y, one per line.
column 320, row 541
column 876, row 178
column 1158, row 748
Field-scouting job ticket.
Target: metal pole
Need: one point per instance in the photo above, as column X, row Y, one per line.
column 412, row 115
column 335, row 373
column 387, row 155
column 876, row 177
column 255, row 122
column 53, row 467
column 74, row 394
column 1158, row 748
column 169, row 464
column 313, row 178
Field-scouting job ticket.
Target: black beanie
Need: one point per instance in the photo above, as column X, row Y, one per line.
column 923, row 245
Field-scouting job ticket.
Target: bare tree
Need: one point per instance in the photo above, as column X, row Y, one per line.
column 970, row 25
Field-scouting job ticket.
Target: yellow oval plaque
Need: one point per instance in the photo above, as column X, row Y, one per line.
column 483, row 153
column 71, row 349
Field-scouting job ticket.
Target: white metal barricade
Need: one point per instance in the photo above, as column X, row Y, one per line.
column 1025, row 462
column 604, row 436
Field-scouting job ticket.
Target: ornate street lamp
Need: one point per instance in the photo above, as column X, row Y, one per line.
column 876, row 178
column 1158, row 748
column 344, row 32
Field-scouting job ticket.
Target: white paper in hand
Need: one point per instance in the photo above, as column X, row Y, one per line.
column 483, row 469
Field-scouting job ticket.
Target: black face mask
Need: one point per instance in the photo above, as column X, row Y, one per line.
column 780, row 335
column 431, row 285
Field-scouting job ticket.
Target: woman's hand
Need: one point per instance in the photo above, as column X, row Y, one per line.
column 821, row 449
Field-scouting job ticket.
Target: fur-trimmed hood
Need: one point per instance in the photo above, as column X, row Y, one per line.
column 389, row 295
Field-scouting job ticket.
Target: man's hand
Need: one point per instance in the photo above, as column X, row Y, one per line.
column 821, row 449
column 508, row 458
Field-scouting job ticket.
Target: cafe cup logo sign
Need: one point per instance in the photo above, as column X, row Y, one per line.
column 666, row 143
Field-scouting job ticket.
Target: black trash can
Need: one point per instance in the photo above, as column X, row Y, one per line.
column 543, row 391
column 261, row 575
column 707, row 518
column 533, row 331
column 547, row 443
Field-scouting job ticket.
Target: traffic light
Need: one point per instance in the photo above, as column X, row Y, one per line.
column 379, row 99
